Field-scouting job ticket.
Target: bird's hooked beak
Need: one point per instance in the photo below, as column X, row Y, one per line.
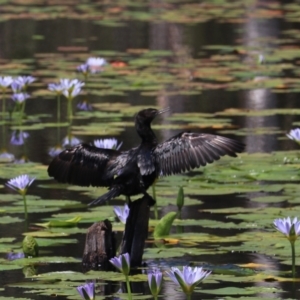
column 161, row 111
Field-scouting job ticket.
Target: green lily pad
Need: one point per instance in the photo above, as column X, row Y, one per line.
column 61, row 223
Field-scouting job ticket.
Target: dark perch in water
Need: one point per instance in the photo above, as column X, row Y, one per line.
column 99, row 246
column 133, row 171
column 136, row 230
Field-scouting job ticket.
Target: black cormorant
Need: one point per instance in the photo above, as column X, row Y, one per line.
column 133, row 171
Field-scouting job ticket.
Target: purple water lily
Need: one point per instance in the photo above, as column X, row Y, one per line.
column 70, row 141
column 18, row 137
column 70, row 84
column 122, row 213
column 15, row 255
column 56, row 87
column 96, row 64
column 84, row 105
column 87, row 291
column 188, row 278
column 20, row 183
column 107, row 143
column 122, row 263
column 290, row 228
column 6, row 156
column 155, row 281
column 20, row 97
column 54, row 151
column 84, row 68
column 294, row 135
column 5, row 82
column 21, row 82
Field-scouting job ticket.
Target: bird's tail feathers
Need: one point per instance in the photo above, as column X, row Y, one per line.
column 114, row 192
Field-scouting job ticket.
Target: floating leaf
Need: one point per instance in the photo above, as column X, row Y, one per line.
column 61, row 223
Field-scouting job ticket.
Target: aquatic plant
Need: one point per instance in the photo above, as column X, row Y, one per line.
column 188, row 279
column 155, row 282
column 54, row 151
column 57, row 88
column 6, row 155
column 23, row 81
column 21, row 184
column 180, row 199
column 107, row 143
column 294, row 135
column 30, row 246
column 14, row 255
column 20, row 97
column 5, row 82
column 122, row 214
column 96, row 64
column 122, row 263
column 18, row 137
column 291, row 229
column 70, row 141
column 85, row 105
column 71, row 89
column 83, row 68
column 87, row 291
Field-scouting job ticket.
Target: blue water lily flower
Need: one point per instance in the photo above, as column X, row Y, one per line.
column 71, row 87
column 54, row 151
column 4, row 155
column 15, row 255
column 5, row 82
column 18, row 137
column 25, row 80
column 290, row 228
column 70, row 141
column 96, row 64
column 21, row 83
column 87, row 291
column 84, row 68
column 188, row 278
column 155, row 281
column 84, row 105
column 122, row 213
column 70, row 84
column 72, row 93
column 20, row 97
column 107, row 143
column 294, row 135
column 122, row 263
column 21, row 183
column 56, row 87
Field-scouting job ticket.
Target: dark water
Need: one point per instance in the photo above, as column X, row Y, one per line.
column 17, row 42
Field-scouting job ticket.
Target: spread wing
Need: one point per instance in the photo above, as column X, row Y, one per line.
column 187, row 151
column 84, row 165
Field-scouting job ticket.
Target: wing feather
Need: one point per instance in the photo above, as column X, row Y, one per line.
column 84, row 165
column 187, row 151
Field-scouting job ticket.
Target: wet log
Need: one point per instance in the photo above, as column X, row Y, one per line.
column 136, row 230
column 99, row 245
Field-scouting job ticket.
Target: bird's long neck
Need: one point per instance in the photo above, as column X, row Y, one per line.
column 145, row 132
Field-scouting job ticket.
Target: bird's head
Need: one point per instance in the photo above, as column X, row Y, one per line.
column 147, row 115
